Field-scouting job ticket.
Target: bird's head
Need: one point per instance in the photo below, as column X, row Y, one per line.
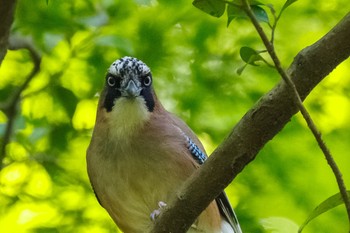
column 128, row 78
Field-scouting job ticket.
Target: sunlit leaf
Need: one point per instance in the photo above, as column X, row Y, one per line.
column 13, row 178
column 287, row 4
column 39, row 183
column 84, row 116
column 33, row 105
column 279, row 225
column 212, row 7
column 325, row 206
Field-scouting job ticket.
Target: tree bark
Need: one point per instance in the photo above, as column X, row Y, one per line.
column 259, row 125
column 7, row 11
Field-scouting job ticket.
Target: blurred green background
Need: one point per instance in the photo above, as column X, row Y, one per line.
column 194, row 57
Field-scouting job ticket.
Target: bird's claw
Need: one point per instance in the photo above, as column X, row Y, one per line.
column 157, row 212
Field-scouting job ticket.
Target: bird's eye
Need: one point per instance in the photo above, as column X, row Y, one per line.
column 147, row 81
column 111, row 81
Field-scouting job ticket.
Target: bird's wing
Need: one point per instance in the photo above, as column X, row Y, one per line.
column 226, row 210
column 196, row 149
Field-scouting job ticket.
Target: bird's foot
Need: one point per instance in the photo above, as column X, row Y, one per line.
column 157, row 212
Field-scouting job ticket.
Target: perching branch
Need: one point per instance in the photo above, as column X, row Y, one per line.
column 9, row 107
column 7, row 11
column 259, row 125
column 317, row 134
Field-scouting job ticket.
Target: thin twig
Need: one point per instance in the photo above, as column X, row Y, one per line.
column 300, row 105
column 10, row 106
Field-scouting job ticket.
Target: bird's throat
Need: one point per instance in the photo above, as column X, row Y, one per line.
column 127, row 117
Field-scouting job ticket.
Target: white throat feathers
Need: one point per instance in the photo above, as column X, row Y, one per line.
column 127, row 117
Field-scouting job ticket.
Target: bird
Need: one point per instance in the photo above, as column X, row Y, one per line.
column 140, row 154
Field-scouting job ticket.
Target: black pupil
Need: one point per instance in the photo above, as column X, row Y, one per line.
column 111, row 81
column 147, row 80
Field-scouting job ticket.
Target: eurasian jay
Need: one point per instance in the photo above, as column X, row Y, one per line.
column 140, row 154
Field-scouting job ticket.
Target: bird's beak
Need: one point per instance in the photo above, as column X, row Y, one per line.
column 131, row 89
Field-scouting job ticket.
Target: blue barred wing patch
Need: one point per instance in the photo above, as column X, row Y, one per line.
column 197, row 154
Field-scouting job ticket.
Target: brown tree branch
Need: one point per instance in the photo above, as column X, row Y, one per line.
column 259, row 125
column 317, row 134
column 9, row 107
column 7, row 11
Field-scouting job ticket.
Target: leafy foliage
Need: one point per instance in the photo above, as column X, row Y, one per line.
column 325, row 206
column 235, row 10
column 250, row 57
column 287, row 4
column 212, row 7
column 194, row 58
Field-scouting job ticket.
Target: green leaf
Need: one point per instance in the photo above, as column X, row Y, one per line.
column 66, row 98
column 279, row 225
column 234, row 12
column 287, row 4
column 325, row 206
column 59, row 134
column 240, row 70
column 260, row 14
column 212, row 7
column 250, row 56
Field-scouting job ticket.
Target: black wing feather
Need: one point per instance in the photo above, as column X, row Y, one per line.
column 225, row 207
